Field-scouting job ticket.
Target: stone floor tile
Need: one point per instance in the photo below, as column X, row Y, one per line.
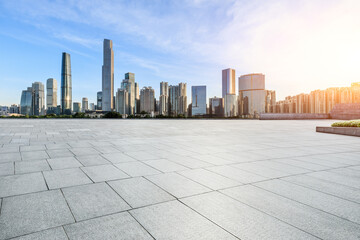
column 33, row 212
column 84, row 151
column 177, row 185
column 102, row 173
column 118, row 157
column 21, row 184
column 34, row 155
column 65, row 178
column 59, row 153
column 10, row 157
column 139, row 192
column 64, row 162
column 117, row 226
column 92, row 160
column 6, row 169
column 164, row 165
column 136, row 169
column 93, row 200
column 53, row 233
column 236, row 174
column 31, row 166
column 173, row 220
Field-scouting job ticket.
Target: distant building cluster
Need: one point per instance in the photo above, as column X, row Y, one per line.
column 318, row 101
column 251, row 100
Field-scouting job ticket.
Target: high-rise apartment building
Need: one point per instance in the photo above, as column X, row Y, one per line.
column 77, row 107
column 182, row 99
column 177, row 99
column 108, row 76
column 99, row 101
column 228, row 82
column 51, row 93
column 39, row 98
column 27, row 102
column 147, row 100
column 198, row 100
column 85, row 104
column 66, row 84
column 163, row 99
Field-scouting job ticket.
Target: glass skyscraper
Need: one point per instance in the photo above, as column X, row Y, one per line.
column 39, row 98
column 51, row 93
column 27, row 102
column 198, row 100
column 131, row 87
column 66, row 89
column 108, row 76
column 228, row 82
column 99, row 101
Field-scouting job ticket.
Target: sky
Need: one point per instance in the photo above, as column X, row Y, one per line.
column 299, row 45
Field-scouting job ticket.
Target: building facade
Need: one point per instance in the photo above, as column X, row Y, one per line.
column 108, row 76
column 231, row 105
column 51, row 93
column 198, row 100
column 228, row 82
column 27, row 102
column 216, row 107
column 147, row 100
column 131, row 87
column 66, row 84
column 85, row 104
column 39, row 98
column 99, row 101
column 163, row 99
column 122, row 104
column 77, row 107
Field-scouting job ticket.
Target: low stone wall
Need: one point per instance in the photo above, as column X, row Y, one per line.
column 349, row 131
column 293, row 116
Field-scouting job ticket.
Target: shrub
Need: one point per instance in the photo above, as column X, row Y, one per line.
column 352, row 123
column 112, row 115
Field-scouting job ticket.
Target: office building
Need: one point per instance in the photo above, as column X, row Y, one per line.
column 14, row 109
column 198, row 100
column 173, row 100
column 39, row 98
column 253, row 98
column 228, row 82
column 27, row 102
column 231, row 105
column 85, row 104
column 99, row 101
column 51, row 93
column 131, row 87
column 122, row 104
column 108, row 76
column 92, row 106
column 163, row 99
column 147, row 100
column 182, row 99
column 66, row 84
column 77, row 107
column 216, row 107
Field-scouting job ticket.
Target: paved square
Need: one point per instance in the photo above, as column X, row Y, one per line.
column 177, row 179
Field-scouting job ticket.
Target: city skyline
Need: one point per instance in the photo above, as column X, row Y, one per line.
column 156, row 58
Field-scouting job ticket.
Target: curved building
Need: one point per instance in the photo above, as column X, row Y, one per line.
column 27, row 102
column 66, row 90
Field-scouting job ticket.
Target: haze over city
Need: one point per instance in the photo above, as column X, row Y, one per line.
column 299, row 46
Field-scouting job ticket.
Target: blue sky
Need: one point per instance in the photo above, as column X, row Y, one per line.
column 299, row 45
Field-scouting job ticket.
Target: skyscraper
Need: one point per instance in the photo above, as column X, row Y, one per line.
column 216, row 108
column 163, row 99
column 51, row 93
column 173, row 100
column 122, row 98
column 66, row 89
column 198, row 100
column 129, row 85
column 99, row 100
column 39, row 98
column 108, row 76
column 231, row 105
column 77, row 107
column 85, row 104
column 182, row 99
column 27, row 102
column 147, row 100
column 228, row 82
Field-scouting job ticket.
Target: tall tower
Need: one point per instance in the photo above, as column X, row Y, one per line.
column 39, row 100
column 51, row 93
column 66, row 89
column 108, row 76
column 228, row 82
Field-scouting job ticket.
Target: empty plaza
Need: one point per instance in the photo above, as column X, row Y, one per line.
column 177, row 179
